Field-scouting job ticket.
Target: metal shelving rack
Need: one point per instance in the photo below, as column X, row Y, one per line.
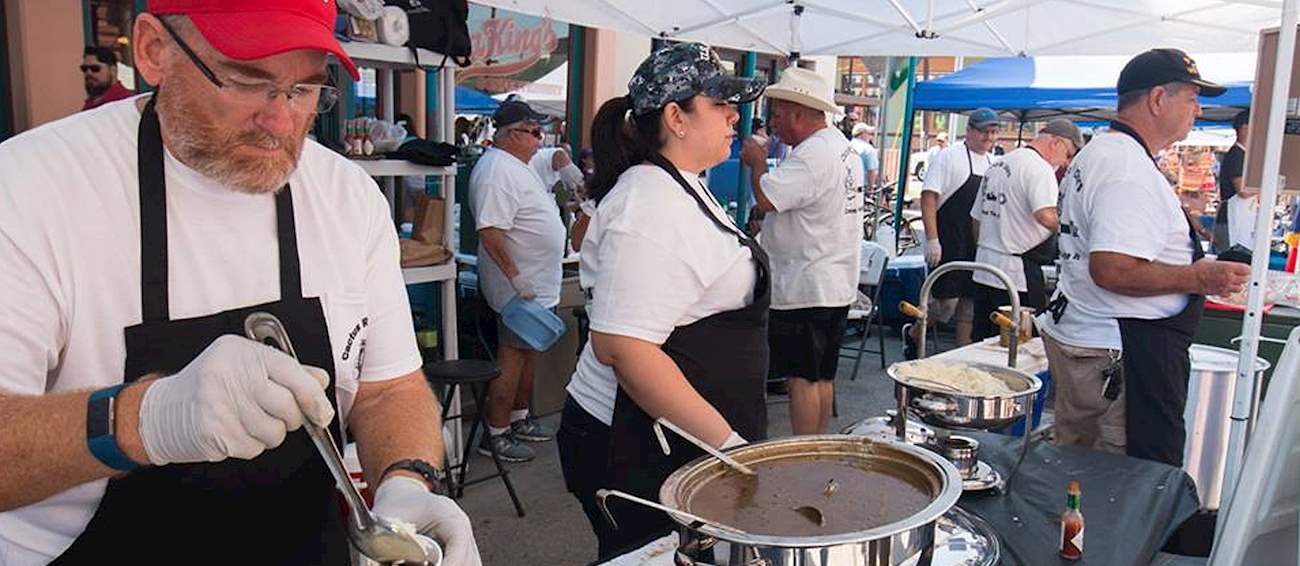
column 387, row 60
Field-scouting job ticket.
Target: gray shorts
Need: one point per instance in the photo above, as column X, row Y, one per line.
column 507, row 337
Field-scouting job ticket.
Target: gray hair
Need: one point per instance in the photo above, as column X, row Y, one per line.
column 1132, row 97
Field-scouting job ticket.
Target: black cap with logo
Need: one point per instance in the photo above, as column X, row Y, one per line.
column 683, row 70
column 1160, row 66
column 515, row 110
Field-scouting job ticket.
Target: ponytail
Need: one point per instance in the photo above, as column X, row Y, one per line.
column 618, row 143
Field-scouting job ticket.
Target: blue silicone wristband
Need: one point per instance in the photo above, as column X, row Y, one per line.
column 101, row 430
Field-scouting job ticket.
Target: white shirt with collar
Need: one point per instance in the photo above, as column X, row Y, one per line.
column 506, row 193
column 948, row 170
column 812, row 237
column 1114, row 199
column 654, row 262
column 1014, row 188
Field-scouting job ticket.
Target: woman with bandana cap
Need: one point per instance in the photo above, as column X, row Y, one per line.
column 677, row 294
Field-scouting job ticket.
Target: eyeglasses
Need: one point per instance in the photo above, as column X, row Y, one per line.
column 535, row 132
column 257, row 93
column 91, row 68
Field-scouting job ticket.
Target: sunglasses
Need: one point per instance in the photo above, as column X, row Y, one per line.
column 91, row 68
column 535, row 132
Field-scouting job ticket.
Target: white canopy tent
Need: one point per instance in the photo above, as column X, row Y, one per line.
column 547, row 94
column 927, row 27
column 994, row 28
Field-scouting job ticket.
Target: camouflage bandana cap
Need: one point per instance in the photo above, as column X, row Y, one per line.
column 683, row 70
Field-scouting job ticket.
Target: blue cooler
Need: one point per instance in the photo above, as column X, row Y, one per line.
column 903, row 279
column 1040, row 401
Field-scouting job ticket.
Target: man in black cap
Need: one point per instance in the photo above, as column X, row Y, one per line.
column 521, row 243
column 1132, row 273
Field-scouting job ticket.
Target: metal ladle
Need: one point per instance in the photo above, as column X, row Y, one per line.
column 603, row 494
column 661, row 423
column 376, row 537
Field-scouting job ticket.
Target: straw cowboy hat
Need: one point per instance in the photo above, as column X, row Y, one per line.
column 804, row 87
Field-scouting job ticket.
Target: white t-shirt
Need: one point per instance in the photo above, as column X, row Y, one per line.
column 653, row 262
column 1014, row 188
column 70, row 247
column 506, row 193
column 1113, row 199
column 948, row 170
column 543, row 163
column 812, row 236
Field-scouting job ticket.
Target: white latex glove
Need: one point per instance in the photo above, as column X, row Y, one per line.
column 523, row 287
column 236, row 400
column 435, row 516
column 571, row 176
column 933, row 251
column 733, row 441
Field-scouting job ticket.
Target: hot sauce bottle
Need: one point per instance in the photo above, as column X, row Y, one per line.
column 1072, row 524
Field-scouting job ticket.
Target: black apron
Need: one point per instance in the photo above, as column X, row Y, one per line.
column 279, row 508
column 1156, row 369
column 957, row 235
column 725, row 358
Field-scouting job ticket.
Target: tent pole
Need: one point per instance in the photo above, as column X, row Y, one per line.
column 904, row 163
column 1020, row 132
column 748, row 66
column 1245, row 388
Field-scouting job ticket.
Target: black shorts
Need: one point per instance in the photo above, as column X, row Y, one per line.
column 806, row 342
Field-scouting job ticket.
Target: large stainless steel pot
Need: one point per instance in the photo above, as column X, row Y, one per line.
column 1207, row 416
column 908, row 541
column 948, row 408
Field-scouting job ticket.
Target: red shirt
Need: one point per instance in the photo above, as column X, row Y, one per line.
column 115, row 92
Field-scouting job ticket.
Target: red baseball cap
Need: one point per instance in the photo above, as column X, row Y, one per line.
column 253, row 29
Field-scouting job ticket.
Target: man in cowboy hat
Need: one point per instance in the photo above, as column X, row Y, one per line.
column 813, row 206
column 140, row 423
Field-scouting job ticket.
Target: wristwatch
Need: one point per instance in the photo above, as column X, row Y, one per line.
column 101, row 430
column 436, row 479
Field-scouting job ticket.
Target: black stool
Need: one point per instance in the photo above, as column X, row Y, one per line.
column 476, row 375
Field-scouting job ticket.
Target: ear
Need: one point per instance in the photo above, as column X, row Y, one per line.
column 674, row 118
column 1157, row 98
column 149, row 45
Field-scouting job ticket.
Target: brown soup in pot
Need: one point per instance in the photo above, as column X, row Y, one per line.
column 862, row 498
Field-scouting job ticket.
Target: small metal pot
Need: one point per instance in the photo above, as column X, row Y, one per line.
column 963, row 452
column 949, row 408
column 907, row 541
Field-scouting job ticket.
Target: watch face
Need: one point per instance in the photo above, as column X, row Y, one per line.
column 99, row 414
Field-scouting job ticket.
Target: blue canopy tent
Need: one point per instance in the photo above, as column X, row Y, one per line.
column 471, row 101
column 1076, row 87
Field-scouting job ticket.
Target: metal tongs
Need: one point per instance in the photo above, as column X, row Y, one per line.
column 376, row 537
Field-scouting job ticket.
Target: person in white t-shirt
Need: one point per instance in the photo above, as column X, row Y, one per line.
column 812, row 228
column 1132, row 277
column 141, row 242
column 521, row 244
column 677, row 293
column 553, row 165
column 1017, row 220
column 861, row 143
column 952, row 181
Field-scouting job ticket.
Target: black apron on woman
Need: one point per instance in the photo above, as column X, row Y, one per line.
column 1156, row 368
column 725, row 358
column 957, row 235
column 278, row 508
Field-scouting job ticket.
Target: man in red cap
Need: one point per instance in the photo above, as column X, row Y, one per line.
column 142, row 243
